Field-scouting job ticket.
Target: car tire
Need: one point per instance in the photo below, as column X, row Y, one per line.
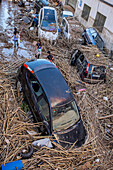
column 82, row 77
column 28, row 154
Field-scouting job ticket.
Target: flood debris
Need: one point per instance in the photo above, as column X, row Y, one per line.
column 88, row 71
column 97, row 113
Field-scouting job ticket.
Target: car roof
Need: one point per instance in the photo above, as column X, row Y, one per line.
column 67, row 13
column 39, row 64
column 48, row 7
column 52, row 82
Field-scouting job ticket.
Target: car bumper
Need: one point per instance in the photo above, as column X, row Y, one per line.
column 94, row 81
column 76, row 134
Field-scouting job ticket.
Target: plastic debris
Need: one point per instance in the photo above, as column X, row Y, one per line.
column 31, row 28
column 80, row 90
column 31, row 132
column 43, row 142
column 105, row 98
column 97, row 55
column 97, row 160
column 13, row 165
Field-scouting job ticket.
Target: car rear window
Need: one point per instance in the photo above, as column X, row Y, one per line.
column 55, row 86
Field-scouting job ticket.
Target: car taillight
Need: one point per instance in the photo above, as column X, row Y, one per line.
column 105, row 71
column 25, row 65
column 87, row 68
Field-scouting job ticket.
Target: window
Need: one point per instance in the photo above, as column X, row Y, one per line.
column 85, row 12
column 63, row 23
column 44, row 108
column 99, row 21
column 65, row 116
column 66, row 29
column 40, row 96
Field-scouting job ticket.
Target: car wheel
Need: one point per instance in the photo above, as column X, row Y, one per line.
column 28, row 154
column 82, row 77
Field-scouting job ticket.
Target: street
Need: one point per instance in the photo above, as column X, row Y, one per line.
column 95, row 100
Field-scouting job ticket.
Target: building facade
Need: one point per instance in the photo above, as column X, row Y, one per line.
column 98, row 14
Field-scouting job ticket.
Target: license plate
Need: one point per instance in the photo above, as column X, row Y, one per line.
column 96, row 76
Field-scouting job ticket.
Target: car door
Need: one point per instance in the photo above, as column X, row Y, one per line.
column 30, row 96
column 67, row 30
column 38, row 98
column 63, row 26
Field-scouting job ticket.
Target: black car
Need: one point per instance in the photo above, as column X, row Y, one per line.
column 91, row 36
column 51, row 101
column 88, row 72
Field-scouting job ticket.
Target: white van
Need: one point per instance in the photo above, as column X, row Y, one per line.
column 48, row 23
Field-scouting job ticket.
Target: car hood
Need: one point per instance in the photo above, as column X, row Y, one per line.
column 76, row 133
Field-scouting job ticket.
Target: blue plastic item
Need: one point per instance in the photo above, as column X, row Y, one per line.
column 13, row 165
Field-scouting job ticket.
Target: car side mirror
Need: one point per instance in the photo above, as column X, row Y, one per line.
column 46, row 124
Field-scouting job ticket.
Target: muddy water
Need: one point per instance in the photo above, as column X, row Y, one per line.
column 7, row 24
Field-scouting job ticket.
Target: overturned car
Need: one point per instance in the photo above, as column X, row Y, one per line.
column 52, row 102
column 88, row 72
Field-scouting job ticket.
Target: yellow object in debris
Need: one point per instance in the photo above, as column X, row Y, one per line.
column 97, row 55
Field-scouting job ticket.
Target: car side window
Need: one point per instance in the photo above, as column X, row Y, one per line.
column 44, row 108
column 41, row 16
column 41, row 100
column 66, row 29
column 63, row 23
column 36, row 88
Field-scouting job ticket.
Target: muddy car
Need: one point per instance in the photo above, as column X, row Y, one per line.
column 88, row 72
column 91, row 36
column 48, row 23
column 51, row 101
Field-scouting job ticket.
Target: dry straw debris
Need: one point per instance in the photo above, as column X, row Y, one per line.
column 96, row 104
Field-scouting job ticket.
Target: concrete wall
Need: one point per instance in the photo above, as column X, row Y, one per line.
column 103, row 8
column 72, row 3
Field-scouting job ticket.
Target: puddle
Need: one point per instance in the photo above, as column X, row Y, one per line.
column 16, row 52
column 7, row 21
column 4, row 14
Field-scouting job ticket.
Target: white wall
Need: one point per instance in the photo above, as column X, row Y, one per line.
column 106, row 10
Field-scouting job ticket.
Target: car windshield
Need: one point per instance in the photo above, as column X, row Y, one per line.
column 65, row 116
column 49, row 22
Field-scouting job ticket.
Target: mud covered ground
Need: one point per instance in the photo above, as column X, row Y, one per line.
column 96, row 112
